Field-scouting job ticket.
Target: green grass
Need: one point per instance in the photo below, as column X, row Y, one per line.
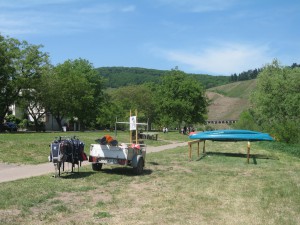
column 241, row 89
column 215, row 189
column 291, row 149
column 33, row 148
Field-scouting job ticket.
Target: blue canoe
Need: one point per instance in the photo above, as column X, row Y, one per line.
column 231, row 135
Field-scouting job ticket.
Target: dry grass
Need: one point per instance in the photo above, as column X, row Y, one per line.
column 216, row 189
column 223, row 107
column 228, row 101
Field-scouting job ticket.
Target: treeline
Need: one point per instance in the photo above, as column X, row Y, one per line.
column 251, row 74
column 246, row 75
column 125, row 76
column 73, row 91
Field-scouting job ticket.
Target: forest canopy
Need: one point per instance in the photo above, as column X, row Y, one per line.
column 124, row 76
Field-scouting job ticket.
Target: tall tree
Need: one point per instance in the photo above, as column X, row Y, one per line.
column 138, row 97
column 277, row 101
column 20, row 65
column 180, row 98
column 73, row 89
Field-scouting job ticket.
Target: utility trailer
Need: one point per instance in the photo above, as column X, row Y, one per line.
column 133, row 155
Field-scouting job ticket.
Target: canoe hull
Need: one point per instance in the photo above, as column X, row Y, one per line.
column 232, row 135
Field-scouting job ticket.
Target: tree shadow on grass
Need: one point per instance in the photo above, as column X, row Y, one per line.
column 254, row 157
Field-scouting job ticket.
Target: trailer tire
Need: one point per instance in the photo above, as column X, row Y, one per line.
column 96, row 166
column 138, row 170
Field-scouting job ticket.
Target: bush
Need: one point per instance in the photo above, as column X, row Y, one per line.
column 12, row 118
column 23, row 124
column 247, row 121
column 288, row 131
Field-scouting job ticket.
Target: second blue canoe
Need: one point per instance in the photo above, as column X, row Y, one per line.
column 231, row 135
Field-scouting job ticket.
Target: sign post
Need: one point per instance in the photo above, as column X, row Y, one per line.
column 133, row 124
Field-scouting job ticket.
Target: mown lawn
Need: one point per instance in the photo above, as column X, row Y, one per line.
column 216, row 189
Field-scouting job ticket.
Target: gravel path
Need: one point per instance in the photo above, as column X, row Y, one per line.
column 10, row 172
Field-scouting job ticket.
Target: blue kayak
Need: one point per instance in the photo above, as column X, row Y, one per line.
column 231, row 135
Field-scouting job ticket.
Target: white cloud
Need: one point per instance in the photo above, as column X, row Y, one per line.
column 198, row 6
column 129, row 8
column 106, row 8
column 224, row 60
column 63, row 16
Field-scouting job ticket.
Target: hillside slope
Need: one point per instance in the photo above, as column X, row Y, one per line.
column 228, row 101
column 123, row 76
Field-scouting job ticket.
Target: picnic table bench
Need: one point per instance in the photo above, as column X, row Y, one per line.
column 149, row 135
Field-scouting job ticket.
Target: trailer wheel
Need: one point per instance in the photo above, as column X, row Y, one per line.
column 138, row 170
column 96, row 166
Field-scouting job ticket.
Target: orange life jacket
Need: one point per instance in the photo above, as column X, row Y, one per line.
column 108, row 138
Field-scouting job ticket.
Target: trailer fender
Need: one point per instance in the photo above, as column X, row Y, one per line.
column 135, row 160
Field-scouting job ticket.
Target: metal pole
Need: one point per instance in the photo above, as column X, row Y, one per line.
column 116, row 128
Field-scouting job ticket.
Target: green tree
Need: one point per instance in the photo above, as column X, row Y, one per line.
column 74, row 89
column 277, row 101
column 21, row 64
column 133, row 97
column 180, row 98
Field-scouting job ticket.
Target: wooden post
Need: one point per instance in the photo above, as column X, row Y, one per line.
column 130, row 134
column 204, row 151
column 198, row 149
column 248, row 152
column 190, row 151
column 136, row 129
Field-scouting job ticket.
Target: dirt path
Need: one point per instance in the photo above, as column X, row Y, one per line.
column 10, row 172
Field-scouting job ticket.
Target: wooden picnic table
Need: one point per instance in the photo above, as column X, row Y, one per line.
column 149, row 135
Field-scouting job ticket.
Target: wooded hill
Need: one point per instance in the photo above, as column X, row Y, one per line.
column 123, row 76
column 228, row 101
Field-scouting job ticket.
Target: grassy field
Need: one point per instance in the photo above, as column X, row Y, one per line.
column 33, row 148
column 240, row 89
column 215, row 189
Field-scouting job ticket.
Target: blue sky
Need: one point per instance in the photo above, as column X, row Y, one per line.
column 216, row 37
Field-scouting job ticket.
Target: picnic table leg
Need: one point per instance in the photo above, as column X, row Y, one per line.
column 248, row 152
column 204, row 151
column 198, row 149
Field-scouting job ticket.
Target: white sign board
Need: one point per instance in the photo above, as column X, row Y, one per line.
column 132, row 122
